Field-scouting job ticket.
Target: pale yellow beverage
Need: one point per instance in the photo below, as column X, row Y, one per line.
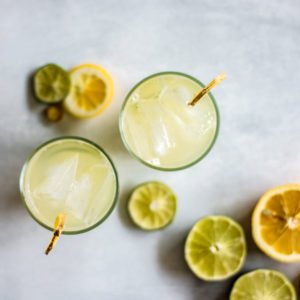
column 71, row 176
column 160, row 128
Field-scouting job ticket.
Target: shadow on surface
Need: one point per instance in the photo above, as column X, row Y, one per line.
column 9, row 182
column 103, row 129
column 32, row 103
column 12, row 211
column 255, row 257
column 13, row 200
column 213, row 290
column 245, row 221
column 171, row 259
column 122, row 208
column 110, row 138
column 38, row 109
column 171, row 253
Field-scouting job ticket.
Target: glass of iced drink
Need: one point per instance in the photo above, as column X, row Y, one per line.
column 73, row 176
column 161, row 129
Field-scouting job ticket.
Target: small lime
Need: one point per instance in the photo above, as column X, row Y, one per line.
column 152, row 205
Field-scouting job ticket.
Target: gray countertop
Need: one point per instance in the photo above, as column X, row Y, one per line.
column 257, row 43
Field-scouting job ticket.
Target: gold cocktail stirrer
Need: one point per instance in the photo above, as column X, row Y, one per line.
column 207, row 88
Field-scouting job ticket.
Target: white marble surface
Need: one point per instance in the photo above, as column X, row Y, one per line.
column 257, row 43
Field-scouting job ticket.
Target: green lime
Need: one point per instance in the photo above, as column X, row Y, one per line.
column 51, row 84
column 152, row 205
column 263, row 285
column 215, row 248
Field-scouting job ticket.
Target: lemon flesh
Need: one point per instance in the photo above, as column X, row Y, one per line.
column 91, row 91
column 276, row 223
column 152, row 205
column 215, row 248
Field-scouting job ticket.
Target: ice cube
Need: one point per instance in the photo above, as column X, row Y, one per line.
column 175, row 115
column 183, row 94
column 78, row 197
column 203, row 124
column 134, row 98
column 155, row 128
column 100, row 200
column 135, row 129
column 150, row 89
column 58, row 182
column 163, row 93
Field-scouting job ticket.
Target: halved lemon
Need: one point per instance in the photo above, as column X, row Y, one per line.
column 215, row 248
column 276, row 223
column 152, row 205
column 263, row 284
column 91, row 91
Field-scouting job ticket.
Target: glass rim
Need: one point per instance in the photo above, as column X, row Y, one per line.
column 22, row 176
column 185, row 166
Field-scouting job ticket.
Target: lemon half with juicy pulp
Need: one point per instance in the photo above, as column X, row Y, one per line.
column 263, row 284
column 91, row 91
column 152, row 205
column 215, row 248
column 276, row 223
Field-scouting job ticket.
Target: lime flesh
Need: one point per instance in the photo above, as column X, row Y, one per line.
column 215, row 248
column 51, row 84
column 263, row 285
column 152, row 205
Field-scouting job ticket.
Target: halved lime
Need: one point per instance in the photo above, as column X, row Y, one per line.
column 263, row 285
column 152, row 205
column 215, row 248
column 51, row 84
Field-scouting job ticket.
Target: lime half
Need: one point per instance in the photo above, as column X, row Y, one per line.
column 152, row 205
column 261, row 285
column 51, row 84
column 215, row 248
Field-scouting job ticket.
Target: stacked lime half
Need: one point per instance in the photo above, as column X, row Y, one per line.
column 85, row 91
